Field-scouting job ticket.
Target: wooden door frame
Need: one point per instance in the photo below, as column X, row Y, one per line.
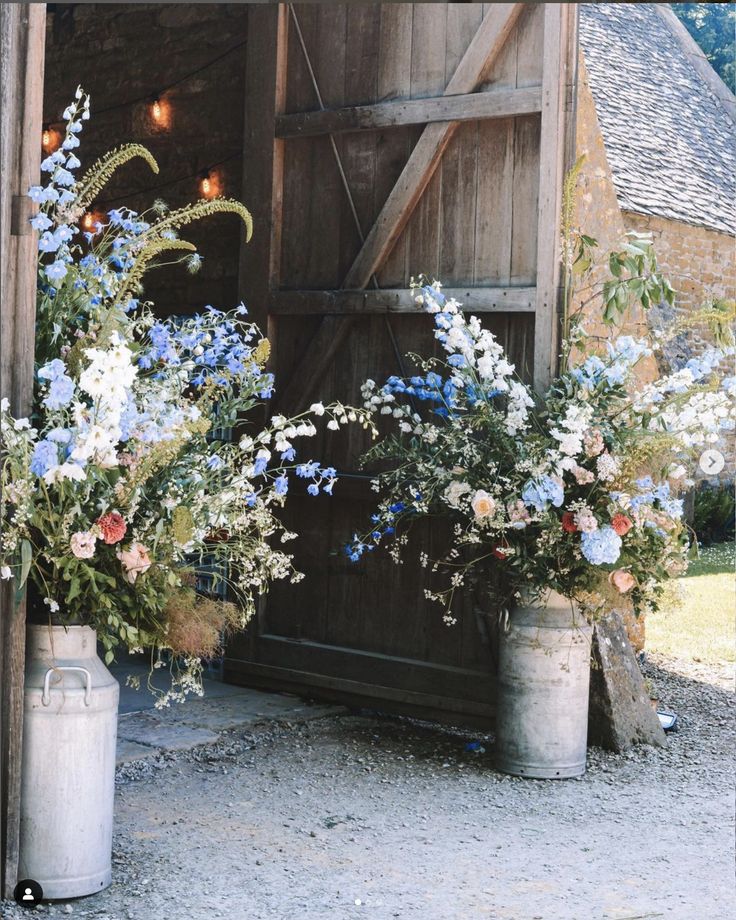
column 23, row 37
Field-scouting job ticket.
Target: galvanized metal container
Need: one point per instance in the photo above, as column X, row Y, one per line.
column 543, row 682
column 68, row 780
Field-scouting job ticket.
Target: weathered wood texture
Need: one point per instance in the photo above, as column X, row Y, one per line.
column 22, row 35
column 437, row 112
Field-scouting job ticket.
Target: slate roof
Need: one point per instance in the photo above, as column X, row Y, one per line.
column 669, row 137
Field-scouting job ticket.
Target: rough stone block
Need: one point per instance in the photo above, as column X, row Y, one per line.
column 145, row 728
column 620, row 714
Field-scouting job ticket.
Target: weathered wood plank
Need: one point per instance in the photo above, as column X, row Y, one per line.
column 556, row 71
column 486, row 44
column 393, row 147
column 22, row 43
column 398, row 300
column 263, row 157
column 500, row 103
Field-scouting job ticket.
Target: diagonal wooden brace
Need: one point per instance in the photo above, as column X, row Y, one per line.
column 480, row 55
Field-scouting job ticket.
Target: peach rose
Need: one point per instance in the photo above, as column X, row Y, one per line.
column 621, row 524
column 482, row 504
column 134, row 560
column 622, row 580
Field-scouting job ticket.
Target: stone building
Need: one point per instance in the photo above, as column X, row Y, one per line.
column 657, row 125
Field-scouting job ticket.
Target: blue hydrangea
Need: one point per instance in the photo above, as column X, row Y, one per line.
column 281, row 485
column 539, row 493
column 602, row 546
column 45, row 456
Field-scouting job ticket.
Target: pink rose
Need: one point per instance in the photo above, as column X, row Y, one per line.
column 113, row 527
column 622, row 580
column 135, row 561
column 83, row 544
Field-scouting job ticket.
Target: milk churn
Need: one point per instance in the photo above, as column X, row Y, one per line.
column 68, row 772
column 543, row 683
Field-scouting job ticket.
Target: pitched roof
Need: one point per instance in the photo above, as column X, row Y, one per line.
column 666, row 117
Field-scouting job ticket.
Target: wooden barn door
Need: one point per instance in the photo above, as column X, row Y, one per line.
column 384, row 141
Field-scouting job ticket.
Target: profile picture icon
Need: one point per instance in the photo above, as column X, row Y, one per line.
column 28, row 893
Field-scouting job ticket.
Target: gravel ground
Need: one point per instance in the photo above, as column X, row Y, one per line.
column 363, row 816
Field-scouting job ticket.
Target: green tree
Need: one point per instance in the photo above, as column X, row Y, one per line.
column 713, row 26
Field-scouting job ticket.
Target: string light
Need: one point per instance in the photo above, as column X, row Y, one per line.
column 50, row 139
column 209, row 184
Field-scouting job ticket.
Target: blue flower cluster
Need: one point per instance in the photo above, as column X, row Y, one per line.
column 61, row 387
column 321, row 477
column 431, row 388
column 213, row 349
column 601, row 546
column 540, row 493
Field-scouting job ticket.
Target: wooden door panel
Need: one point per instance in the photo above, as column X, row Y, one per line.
column 449, row 127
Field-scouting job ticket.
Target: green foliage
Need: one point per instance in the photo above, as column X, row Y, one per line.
column 713, row 519
column 713, row 26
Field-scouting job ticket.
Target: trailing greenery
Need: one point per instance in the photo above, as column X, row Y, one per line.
column 713, row 517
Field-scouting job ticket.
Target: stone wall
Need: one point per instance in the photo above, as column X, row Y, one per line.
column 699, row 262
column 121, row 52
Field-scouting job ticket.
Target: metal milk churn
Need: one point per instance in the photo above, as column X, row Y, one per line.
column 543, row 683
column 68, row 763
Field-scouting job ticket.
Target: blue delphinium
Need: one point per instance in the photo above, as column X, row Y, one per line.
column 602, row 546
column 45, row 456
column 61, row 387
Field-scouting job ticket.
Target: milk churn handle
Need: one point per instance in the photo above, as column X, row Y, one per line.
column 46, row 696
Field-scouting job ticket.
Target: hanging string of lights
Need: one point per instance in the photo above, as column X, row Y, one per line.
column 155, row 97
column 210, row 180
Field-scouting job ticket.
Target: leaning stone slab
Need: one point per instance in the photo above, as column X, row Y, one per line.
column 620, row 714
column 128, row 751
column 148, row 729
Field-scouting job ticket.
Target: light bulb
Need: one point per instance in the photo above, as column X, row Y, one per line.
column 46, row 139
column 156, row 110
column 88, row 221
column 206, row 186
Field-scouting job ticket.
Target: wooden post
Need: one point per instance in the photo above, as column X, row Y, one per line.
column 22, row 45
column 555, row 76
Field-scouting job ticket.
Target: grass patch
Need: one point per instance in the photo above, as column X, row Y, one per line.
column 702, row 626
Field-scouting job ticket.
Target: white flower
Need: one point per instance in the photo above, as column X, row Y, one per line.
column 317, row 409
column 332, row 425
column 5, row 572
column 51, row 604
column 454, row 493
column 607, row 467
column 62, row 472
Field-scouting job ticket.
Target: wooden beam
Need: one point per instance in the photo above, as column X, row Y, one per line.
column 398, row 300
column 263, row 156
column 502, row 103
column 474, row 65
column 22, row 42
column 559, row 34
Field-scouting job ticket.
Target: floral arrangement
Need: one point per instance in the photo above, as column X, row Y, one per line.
column 577, row 491
column 136, row 478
